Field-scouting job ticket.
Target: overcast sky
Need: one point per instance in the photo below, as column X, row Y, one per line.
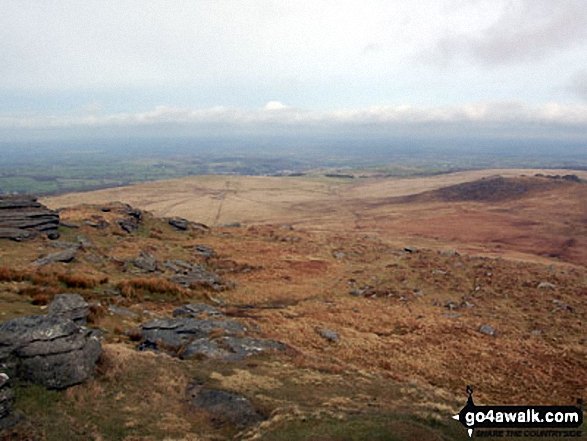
column 509, row 67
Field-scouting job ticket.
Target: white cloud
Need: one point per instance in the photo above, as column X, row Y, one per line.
column 497, row 116
column 274, row 105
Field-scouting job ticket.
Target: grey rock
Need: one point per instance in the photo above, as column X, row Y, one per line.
column 179, row 223
column 287, row 227
column 146, row 262
column 84, row 242
column 410, row 250
column 546, row 285
column 123, row 312
column 66, row 256
column 204, row 251
column 198, row 276
column 129, row 224
column 71, row 306
column 205, row 348
column 449, row 253
column 197, row 310
column 338, row 255
column 223, row 407
column 99, row 224
column 26, row 213
column 231, row 225
column 242, row 347
column 173, row 333
column 16, row 234
column 328, row 334
column 488, row 330
column 49, row 350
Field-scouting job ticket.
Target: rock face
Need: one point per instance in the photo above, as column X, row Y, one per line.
column 224, row 407
column 22, row 217
column 70, row 306
column 48, row 350
column 187, row 337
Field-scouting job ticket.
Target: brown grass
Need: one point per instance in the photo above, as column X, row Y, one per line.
column 137, row 289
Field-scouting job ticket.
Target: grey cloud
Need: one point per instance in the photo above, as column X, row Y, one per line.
column 578, row 84
column 527, row 30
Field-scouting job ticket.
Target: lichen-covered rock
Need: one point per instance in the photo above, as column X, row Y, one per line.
column 6, row 401
column 71, row 306
column 49, row 350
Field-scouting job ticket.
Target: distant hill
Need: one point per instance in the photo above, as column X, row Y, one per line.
column 493, row 189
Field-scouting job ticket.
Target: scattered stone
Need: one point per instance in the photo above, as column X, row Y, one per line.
column 69, row 224
column 100, row 224
column 84, row 242
column 546, row 285
column 488, row 330
column 410, row 250
column 338, row 255
column 198, row 276
column 562, row 307
column 449, row 253
column 129, row 224
column 179, row 223
column 65, row 256
column 231, row 225
column 26, row 213
column 51, row 351
column 328, row 334
column 419, row 293
column 242, row 347
column 146, row 262
column 71, row 306
column 451, row 304
column 204, row 251
column 197, row 310
column 124, row 312
column 287, row 227
column 450, row 315
column 537, row 332
column 439, row 272
column 223, row 407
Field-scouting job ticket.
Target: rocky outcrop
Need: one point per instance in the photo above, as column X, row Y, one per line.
column 215, row 337
column 223, row 407
column 24, row 213
column 70, row 306
column 48, row 350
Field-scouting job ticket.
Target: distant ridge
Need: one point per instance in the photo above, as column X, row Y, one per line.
column 492, row 189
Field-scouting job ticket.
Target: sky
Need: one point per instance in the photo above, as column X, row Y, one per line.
column 460, row 68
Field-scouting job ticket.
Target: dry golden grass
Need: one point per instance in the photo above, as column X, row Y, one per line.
column 413, row 334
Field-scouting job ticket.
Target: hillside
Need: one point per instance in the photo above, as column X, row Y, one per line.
column 377, row 333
